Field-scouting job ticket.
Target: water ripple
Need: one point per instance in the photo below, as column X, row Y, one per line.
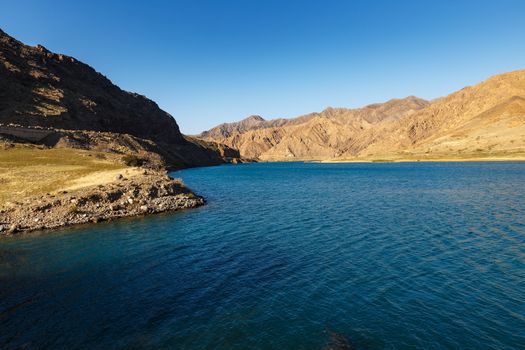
column 284, row 256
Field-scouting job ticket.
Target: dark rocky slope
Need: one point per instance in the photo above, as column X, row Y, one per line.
column 45, row 89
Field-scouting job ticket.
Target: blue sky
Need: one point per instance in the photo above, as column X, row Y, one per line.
column 208, row 62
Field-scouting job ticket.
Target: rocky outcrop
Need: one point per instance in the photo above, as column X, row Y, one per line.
column 45, row 89
column 148, row 193
column 35, row 135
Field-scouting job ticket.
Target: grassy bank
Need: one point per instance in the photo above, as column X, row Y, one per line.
column 27, row 171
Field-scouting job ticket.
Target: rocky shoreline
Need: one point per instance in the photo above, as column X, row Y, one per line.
column 147, row 193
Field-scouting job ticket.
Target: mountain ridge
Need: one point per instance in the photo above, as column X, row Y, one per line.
column 52, row 90
column 410, row 127
column 267, row 139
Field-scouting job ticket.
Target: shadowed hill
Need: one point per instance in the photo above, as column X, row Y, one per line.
column 41, row 88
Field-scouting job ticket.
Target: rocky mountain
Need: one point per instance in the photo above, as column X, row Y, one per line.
column 323, row 135
column 227, row 129
column 45, row 89
column 253, row 122
column 485, row 120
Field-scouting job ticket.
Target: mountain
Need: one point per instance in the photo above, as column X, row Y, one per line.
column 45, row 89
column 485, row 120
column 227, row 129
column 253, row 122
column 323, row 135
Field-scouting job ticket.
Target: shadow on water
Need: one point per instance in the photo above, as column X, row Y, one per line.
column 11, row 260
column 338, row 341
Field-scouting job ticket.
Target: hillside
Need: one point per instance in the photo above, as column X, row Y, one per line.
column 482, row 121
column 45, row 89
column 323, row 135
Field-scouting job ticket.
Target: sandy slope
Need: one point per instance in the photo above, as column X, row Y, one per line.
column 101, row 178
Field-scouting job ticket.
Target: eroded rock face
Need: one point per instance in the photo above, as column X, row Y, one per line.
column 148, row 193
column 323, row 135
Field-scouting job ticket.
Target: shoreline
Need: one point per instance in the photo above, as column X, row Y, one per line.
column 49, row 188
column 429, row 160
column 141, row 194
column 138, row 192
column 519, row 157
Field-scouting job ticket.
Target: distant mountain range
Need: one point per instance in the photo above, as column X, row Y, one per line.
column 482, row 121
column 45, row 89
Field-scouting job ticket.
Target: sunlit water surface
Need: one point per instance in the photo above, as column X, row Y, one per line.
column 392, row 256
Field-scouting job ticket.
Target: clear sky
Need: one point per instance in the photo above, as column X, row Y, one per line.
column 208, row 62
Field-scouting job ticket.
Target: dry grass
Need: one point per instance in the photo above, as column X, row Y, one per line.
column 453, row 157
column 30, row 171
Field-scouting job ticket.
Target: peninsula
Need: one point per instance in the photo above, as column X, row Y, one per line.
column 75, row 148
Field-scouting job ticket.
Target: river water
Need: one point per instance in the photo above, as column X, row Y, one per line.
column 389, row 256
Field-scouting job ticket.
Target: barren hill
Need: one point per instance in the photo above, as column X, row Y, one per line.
column 485, row 120
column 323, row 135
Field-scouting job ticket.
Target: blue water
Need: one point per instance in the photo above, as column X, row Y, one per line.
column 390, row 256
